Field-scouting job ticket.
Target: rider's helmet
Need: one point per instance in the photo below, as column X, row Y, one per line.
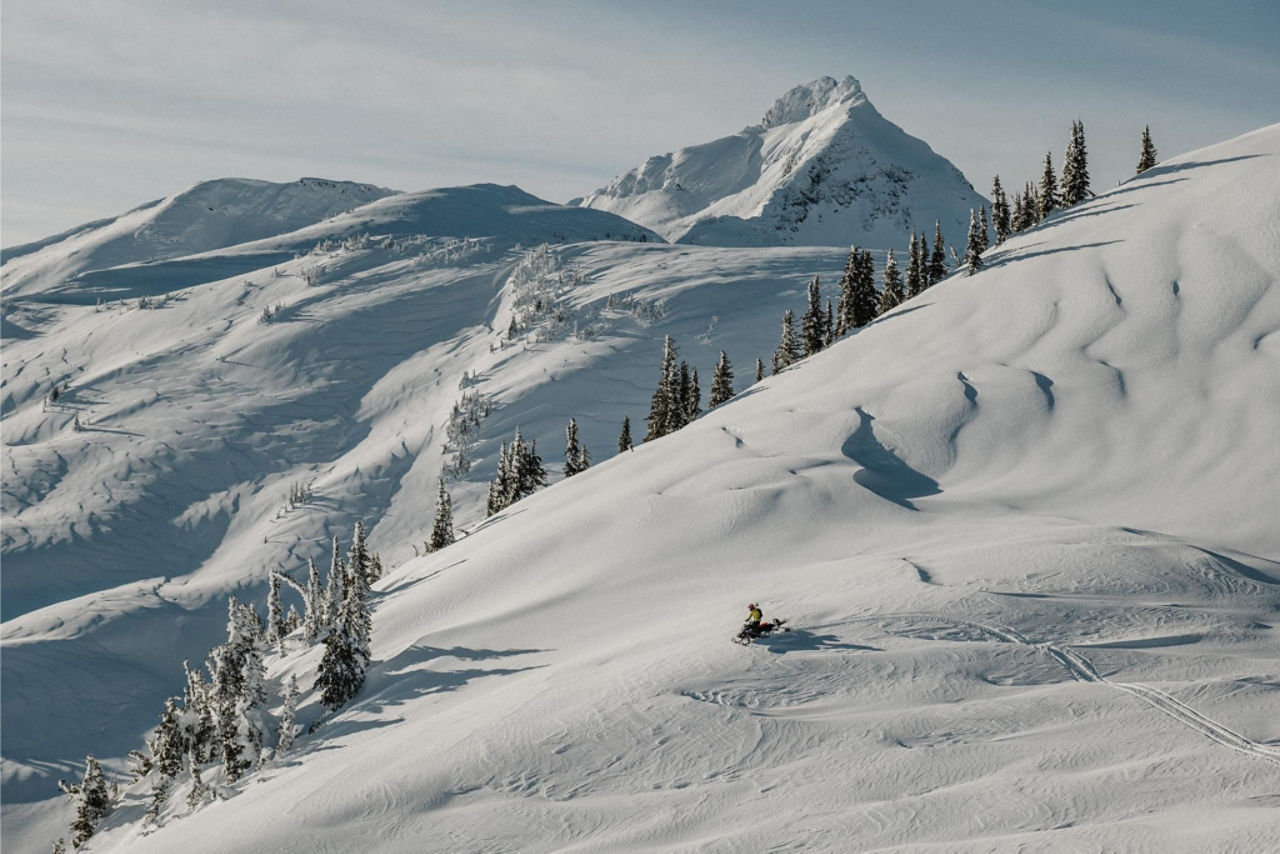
column 751, row 607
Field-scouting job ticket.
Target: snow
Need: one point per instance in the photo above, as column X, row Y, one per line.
column 1020, row 525
column 823, row 167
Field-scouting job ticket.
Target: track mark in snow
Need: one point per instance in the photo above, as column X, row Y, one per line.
column 1082, row 669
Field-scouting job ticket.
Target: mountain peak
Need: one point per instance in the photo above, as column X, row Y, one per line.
column 809, row 99
column 823, row 168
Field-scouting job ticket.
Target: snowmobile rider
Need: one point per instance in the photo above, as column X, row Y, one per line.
column 754, row 616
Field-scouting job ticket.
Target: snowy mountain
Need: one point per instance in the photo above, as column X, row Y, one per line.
column 822, row 167
column 209, row 215
column 1019, row 525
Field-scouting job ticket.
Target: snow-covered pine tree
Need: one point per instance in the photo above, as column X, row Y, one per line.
column 938, row 258
column 973, row 247
column 721, row 382
column 288, row 712
column 572, row 450
column 788, row 350
column 811, row 325
column 238, row 689
column 1017, row 217
column 891, row 295
column 664, row 397
column 313, row 608
column 829, row 326
column 292, row 619
column 678, row 415
column 168, row 748
column 914, row 284
column 198, row 722
column 335, row 587
column 516, row 455
column 1001, row 220
column 844, row 308
column 1049, row 198
column 359, row 558
column 1075, row 168
column 865, row 298
column 442, row 527
column 624, row 438
column 693, row 402
column 759, row 369
column 347, row 645
column 341, row 675
column 499, row 486
column 1147, row 154
column 984, row 230
column 275, row 613
column 92, row 799
column 533, row 475
column 584, row 459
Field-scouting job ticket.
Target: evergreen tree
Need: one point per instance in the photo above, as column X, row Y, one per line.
column 359, row 558
column 914, row 283
column 665, row 396
column 984, row 231
column 1147, row 155
column 500, row 486
column 1017, row 220
column 1001, row 220
column 788, row 350
column 813, row 323
column 759, row 369
column 1075, row 168
column 275, row 613
column 1049, row 199
column 891, row 295
column 313, row 609
column 938, row 259
column 693, row 402
column 92, row 799
column 721, row 382
column 340, row 676
column 572, row 450
column 197, row 723
column 624, row 438
column 864, row 300
column 829, row 326
column 533, row 476
column 334, row 590
column 288, row 711
column 973, row 248
column 844, row 308
column 238, row 689
column 517, row 454
column 347, row 644
column 442, row 527
column 678, row 415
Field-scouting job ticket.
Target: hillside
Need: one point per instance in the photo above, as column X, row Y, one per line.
column 337, row 368
column 822, row 167
column 1019, row 524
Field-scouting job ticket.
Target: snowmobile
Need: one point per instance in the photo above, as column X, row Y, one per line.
column 749, row 633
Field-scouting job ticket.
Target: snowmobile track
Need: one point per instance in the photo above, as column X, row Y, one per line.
column 1083, row 670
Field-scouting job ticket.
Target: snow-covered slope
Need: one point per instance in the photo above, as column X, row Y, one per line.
column 823, row 167
column 1021, row 524
column 338, row 368
column 209, row 215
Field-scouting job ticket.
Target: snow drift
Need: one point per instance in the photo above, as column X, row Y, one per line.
column 822, row 167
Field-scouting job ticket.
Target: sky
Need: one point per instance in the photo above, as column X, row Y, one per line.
column 106, row 105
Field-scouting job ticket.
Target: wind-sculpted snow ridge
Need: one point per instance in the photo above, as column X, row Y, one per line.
column 1021, row 525
column 823, row 167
